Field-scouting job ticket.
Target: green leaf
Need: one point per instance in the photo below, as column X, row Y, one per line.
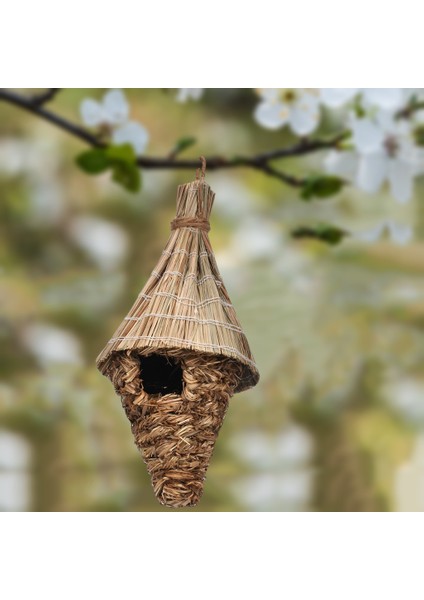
column 128, row 175
column 419, row 135
column 330, row 234
column 182, row 144
column 122, row 153
column 321, row 186
column 122, row 161
column 93, row 161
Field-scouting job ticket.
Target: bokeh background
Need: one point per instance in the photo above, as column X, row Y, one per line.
column 336, row 421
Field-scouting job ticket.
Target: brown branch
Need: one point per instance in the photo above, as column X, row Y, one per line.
column 47, row 115
column 259, row 162
column 49, row 94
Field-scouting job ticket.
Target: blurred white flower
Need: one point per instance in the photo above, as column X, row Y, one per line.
column 112, row 110
column 386, row 152
column 15, row 484
column 287, row 491
column 399, row 233
column 389, row 99
column 13, row 156
column 106, row 243
column 337, row 97
column 233, row 197
column 407, row 397
column 294, row 446
column 51, row 345
column 296, row 107
column 48, row 204
column 256, row 238
column 112, row 114
column 255, row 447
column 132, row 133
column 185, row 94
column 14, row 451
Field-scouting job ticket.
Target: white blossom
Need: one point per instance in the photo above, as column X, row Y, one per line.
column 389, row 99
column 290, row 490
column 297, row 108
column 386, row 152
column 256, row 238
column 112, row 114
column 51, row 345
column 106, row 243
column 131, row 133
column 398, row 233
column 185, row 94
column 337, row 97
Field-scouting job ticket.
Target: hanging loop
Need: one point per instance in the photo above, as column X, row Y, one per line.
column 200, row 173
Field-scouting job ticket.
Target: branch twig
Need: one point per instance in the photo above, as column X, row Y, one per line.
column 40, row 99
column 260, row 162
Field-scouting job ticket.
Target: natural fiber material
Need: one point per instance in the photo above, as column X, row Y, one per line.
column 184, row 304
column 176, row 433
column 179, row 355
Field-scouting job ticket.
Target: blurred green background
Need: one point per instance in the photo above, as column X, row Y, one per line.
column 336, row 421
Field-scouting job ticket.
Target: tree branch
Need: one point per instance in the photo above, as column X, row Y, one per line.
column 39, row 99
column 260, row 162
column 27, row 104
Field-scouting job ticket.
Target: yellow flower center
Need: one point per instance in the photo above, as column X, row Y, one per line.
column 289, row 96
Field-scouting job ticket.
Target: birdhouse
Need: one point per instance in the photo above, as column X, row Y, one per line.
column 180, row 354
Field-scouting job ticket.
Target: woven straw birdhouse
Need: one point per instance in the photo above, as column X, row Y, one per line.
column 180, row 355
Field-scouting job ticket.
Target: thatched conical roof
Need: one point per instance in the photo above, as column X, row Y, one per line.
column 184, row 304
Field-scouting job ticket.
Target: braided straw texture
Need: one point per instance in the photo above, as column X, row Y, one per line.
column 184, row 304
column 176, row 433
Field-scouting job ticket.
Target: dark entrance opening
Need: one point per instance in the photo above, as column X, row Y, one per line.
column 161, row 374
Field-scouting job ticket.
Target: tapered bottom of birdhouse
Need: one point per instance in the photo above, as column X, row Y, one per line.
column 176, row 401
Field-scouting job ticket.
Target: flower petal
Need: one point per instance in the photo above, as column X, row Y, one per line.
column 271, row 115
column 116, row 107
column 92, row 113
column 385, row 98
column 305, row 114
column 372, row 172
column 367, row 135
column 401, row 175
column 132, row 133
column 401, row 234
column 336, row 97
column 344, row 164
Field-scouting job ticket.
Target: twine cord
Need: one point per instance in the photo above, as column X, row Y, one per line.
column 196, row 222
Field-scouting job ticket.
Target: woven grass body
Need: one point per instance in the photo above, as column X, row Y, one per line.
column 179, row 355
column 176, row 433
